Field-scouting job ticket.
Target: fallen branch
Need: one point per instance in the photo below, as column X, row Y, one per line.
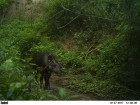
column 88, row 52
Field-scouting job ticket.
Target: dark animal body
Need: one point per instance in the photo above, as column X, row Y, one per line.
column 45, row 64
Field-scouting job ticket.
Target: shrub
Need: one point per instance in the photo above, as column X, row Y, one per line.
column 66, row 16
column 16, row 39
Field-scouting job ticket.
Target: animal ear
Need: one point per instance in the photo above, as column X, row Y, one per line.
column 50, row 57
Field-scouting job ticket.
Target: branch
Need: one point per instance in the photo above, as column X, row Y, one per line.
column 93, row 15
column 56, row 14
column 69, row 22
column 92, row 50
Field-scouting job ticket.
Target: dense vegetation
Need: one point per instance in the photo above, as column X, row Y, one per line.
column 96, row 40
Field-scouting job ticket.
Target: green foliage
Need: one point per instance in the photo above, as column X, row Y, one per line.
column 11, row 79
column 17, row 77
column 62, row 95
column 16, row 82
column 117, row 60
column 72, row 59
column 66, row 16
column 45, row 45
column 3, row 6
column 16, row 39
column 112, row 68
column 113, row 76
column 14, row 87
column 103, row 89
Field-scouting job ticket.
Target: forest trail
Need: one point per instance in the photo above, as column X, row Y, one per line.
column 56, row 82
column 60, row 82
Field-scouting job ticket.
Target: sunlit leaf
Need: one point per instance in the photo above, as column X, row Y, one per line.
column 62, row 93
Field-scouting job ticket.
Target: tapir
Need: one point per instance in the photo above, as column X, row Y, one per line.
column 45, row 64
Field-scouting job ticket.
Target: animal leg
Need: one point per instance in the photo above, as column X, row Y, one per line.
column 41, row 81
column 46, row 78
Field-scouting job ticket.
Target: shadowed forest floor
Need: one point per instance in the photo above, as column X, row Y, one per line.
column 60, row 82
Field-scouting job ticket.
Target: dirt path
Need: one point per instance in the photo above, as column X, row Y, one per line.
column 60, row 82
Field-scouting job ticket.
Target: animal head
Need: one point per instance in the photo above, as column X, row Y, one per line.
column 54, row 66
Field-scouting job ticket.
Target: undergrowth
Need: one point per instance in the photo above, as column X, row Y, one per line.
column 102, row 60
